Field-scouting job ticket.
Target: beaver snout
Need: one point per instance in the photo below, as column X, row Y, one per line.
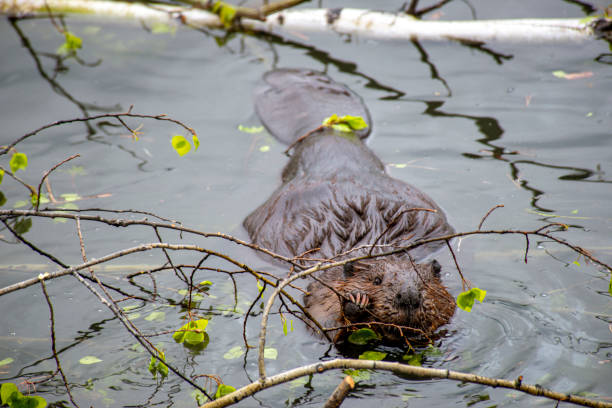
column 409, row 298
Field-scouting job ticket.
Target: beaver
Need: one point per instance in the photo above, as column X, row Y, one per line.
column 409, row 299
column 337, row 201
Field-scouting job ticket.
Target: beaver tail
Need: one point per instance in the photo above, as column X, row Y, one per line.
column 292, row 102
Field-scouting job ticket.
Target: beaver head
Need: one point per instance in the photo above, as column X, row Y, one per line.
column 404, row 298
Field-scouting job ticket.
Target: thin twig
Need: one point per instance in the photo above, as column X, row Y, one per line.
column 487, row 214
column 46, row 174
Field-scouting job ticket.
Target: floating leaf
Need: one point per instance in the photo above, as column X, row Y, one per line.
column 362, row 336
column 133, row 316
column 130, row 307
column 194, row 338
column 162, row 28
column 465, row 300
column 270, row 353
column 1, row 175
column 358, row 375
column 233, row 353
column 250, row 129
column 71, row 44
column 181, row 145
column 87, row 360
column 6, row 361
column 372, row 355
column 156, row 316
column 200, row 398
column 413, row 359
column 223, row 390
column 68, row 197
column 23, row 225
column 19, row 161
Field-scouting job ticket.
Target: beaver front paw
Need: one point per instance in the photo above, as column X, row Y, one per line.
column 354, row 307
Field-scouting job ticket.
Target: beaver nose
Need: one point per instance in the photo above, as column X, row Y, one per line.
column 409, row 299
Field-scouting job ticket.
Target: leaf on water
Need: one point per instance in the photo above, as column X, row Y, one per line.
column 162, row 28
column 156, row 316
column 181, row 145
column 372, row 355
column 413, row 359
column 270, row 353
column 71, row 44
column 191, row 333
column 133, row 316
column 19, row 161
column 465, row 300
column 20, row 203
column 362, row 336
column 130, row 307
column 6, row 361
column 194, row 338
column 233, row 353
column 1, row 175
column 223, row 390
column 87, row 360
column 250, row 129
column 573, row 75
column 358, row 375
column 69, row 197
column 23, row 225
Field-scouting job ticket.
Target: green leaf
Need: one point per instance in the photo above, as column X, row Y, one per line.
column 6, row 361
column 130, row 307
column 610, row 285
column 358, row 375
column 181, row 145
column 233, row 353
column 23, row 225
column 156, row 316
column 205, row 283
column 331, row 120
column 559, row 74
column 71, row 44
column 1, row 175
column 200, row 398
column 153, row 366
column 133, row 316
column 223, row 390
column 285, row 327
column 225, row 12
column 413, row 359
column 6, row 392
column 465, row 300
column 19, row 161
column 2, row 199
column 362, row 336
column 270, row 353
column 372, row 355
column 355, row 122
column 342, row 127
column 87, row 360
column 68, row 197
column 196, row 142
column 259, row 286
column 264, row 149
column 193, row 338
column 250, row 129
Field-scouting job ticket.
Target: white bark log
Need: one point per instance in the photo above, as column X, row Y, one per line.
column 362, row 23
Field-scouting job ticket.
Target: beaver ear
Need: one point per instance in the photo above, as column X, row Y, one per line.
column 349, row 269
column 435, row 266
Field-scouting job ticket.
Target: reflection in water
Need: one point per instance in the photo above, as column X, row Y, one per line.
column 492, row 131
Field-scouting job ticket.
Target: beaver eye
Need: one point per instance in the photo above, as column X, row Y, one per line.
column 377, row 280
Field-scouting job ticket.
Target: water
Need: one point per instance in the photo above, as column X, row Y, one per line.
column 477, row 134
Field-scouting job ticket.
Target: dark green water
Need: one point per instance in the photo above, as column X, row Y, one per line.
column 479, row 133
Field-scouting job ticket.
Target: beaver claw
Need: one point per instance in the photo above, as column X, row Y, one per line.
column 356, row 304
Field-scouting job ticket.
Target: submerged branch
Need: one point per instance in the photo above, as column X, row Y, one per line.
column 366, row 23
